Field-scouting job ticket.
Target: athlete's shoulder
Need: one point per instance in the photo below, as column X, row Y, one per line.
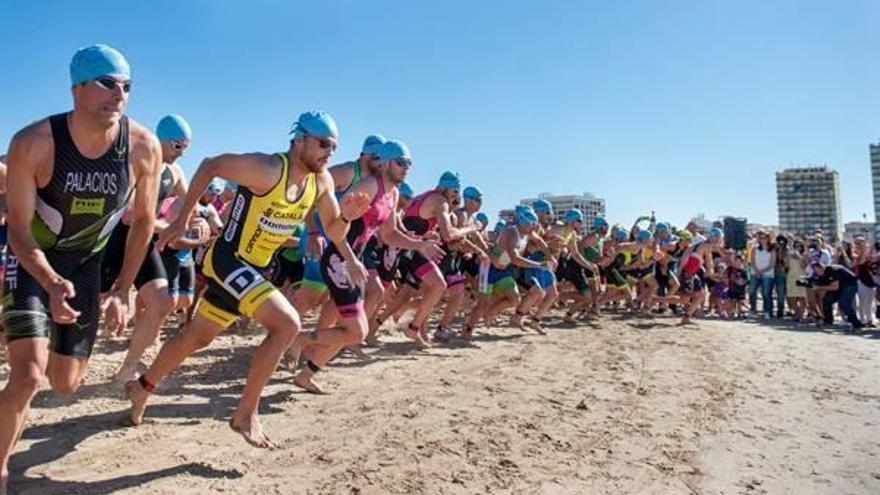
column 33, row 143
column 38, row 132
column 141, row 139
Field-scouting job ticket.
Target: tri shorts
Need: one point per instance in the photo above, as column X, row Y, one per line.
column 235, row 287
column 151, row 269
column 26, row 305
column 413, row 266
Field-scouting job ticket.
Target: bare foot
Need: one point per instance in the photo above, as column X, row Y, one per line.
column 358, row 352
column 416, row 336
column 308, row 385
column 466, row 334
column 138, row 397
column 535, row 325
column 372, row 341
column 252, row 430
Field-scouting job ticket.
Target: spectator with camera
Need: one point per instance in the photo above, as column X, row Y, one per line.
column 840, row 286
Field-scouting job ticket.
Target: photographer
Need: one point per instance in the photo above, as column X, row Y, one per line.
column 841, row 286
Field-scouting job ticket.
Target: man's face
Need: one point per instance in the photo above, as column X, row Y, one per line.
column 104, row 99
column 398, row 170
column 473, row 205
column 316, row 151
column 453, row 197
column 371, row 161
column 545, row 217
column 173, row 150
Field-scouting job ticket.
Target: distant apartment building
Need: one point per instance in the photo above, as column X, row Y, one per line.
column 808, row 199
column 875, row 181
column 588, row 204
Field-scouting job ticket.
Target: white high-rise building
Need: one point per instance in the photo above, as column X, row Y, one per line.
column 809, row 200
column 588, row 204
column 875, row 180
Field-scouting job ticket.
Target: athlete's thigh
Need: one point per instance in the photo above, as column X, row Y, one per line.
column 27, row 356
column 277, row 313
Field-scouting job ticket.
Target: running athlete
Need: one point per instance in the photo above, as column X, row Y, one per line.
column 696, row 263
column 540, row 282
column 70, row 178
column 451, row 265
column 313, row 291
column 275, row 192
column 428, row 213
column 388, row 257
column 348, row 298
column 154, row 302
column 499, row 284
column 576, row 268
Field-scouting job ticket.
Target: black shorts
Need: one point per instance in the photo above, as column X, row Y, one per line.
column 181, row 276
column 235, row 287
column 691, row 284
column 347, row 297
column 450, row 267
column 151, row 269
column 413, row 266
column 471, row 265
column 370, row 255
column 577, row 275
column 387, row 268
column 26, row 304
column 286, row 271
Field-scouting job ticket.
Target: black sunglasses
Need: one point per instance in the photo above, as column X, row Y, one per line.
column 324, row 143
column 110, row 84
column 403, row 162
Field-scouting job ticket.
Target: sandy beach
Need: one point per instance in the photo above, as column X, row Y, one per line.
column 622, row 405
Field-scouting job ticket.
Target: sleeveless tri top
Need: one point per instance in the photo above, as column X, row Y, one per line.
column 260, row 224
column 166, row 185
column 85, row 198
column 362, row 228
column 412, row 218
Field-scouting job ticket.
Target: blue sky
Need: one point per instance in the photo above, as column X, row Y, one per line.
column 678, row 106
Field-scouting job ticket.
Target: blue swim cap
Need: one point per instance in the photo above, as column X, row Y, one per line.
column 525, row 214
column 173, row 127
column 449, row 180
column 542, row 206
column 500, row 225
column 405, row 190
column 393, row 150
column 472, row 192
column 662, row 227
column 716, row 233
column 621, row 235
column 482, row 218
column 669, row 240
column 92, row 62
column 313, row 123
column 645, row 235
column 599, row 222
column 573, row 215
column 372, row 144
